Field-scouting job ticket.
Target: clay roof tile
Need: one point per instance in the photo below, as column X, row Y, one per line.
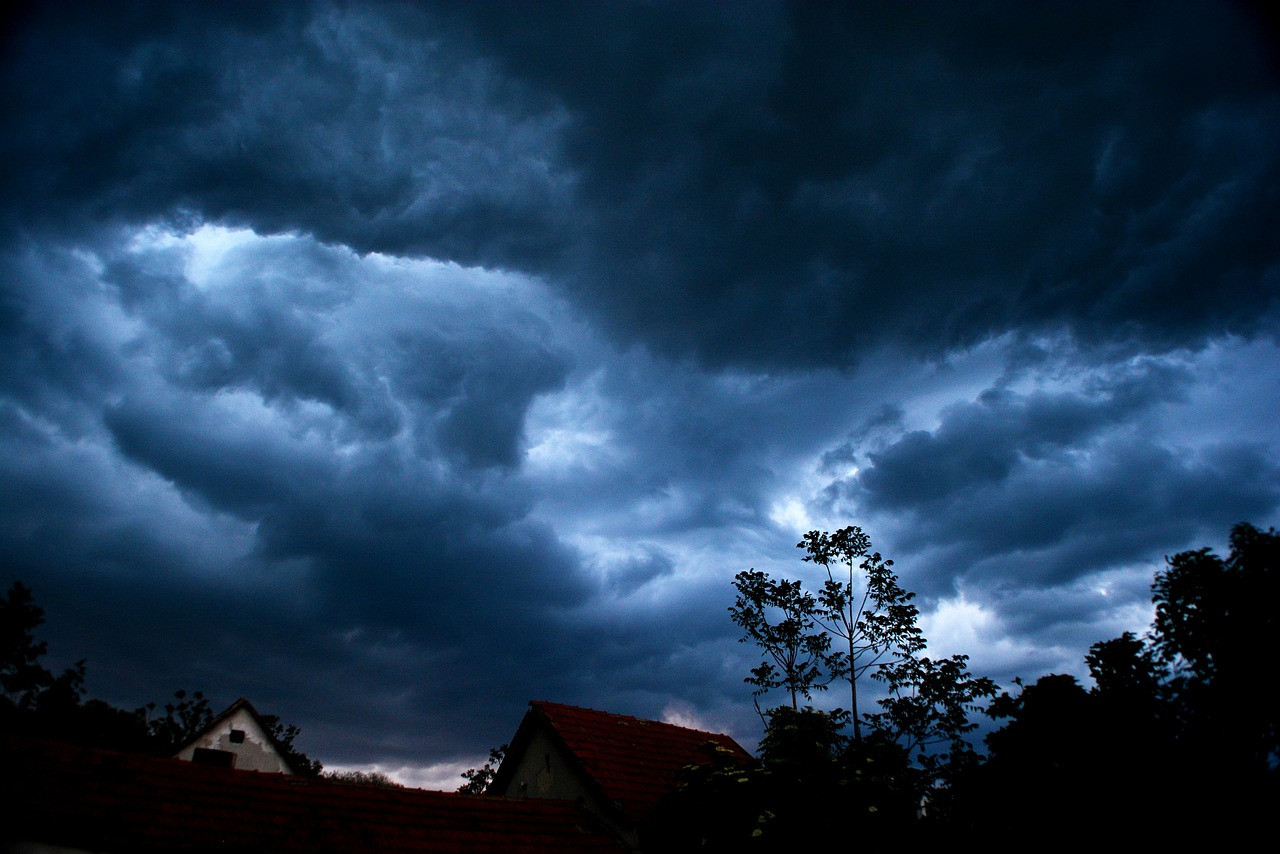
column 79, row 797
column 634, row 762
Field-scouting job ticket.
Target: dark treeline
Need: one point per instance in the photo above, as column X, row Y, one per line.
column 1176, row 739
column 39, row 703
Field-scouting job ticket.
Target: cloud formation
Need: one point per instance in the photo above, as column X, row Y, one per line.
column 395, row 364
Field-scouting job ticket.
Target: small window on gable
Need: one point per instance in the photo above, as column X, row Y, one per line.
column 237, row 736
column 220, row 758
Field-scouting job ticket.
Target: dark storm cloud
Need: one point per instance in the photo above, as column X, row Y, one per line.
column 461, row 373
column 264, row 456
column 258, row 331
column 775, row 184
column 1045, row 487
column 632, row 573
column 790, row 184
column 981, row 443
column 393, row 364
column 355, row 124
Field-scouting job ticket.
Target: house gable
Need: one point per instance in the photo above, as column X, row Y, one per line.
column 237, row 738
column 546, row 769
column 621, row 767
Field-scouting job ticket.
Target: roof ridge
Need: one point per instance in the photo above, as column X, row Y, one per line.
column 618, row 715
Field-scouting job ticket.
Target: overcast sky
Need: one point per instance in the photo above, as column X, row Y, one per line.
column 392, row 366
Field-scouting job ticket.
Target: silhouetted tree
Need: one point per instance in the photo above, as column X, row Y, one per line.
column 813, row 787
column 1124, row 667
column 1214, row 627
column 284, row 735
column 1131, row 695
column 862, row 604
column 717, row 806
column 780, row 617
column 184, row 718
column 44, row 703
column 1179, row 723
column 927, row 713
column 1042, row 767
column 26, row 685
column 478, row 779
column 864, row 607
column 362, row 778
column 907, row 751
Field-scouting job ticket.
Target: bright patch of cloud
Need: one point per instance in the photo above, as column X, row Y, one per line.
column 790, row 513
column 680, row 713
column 959, row 626
column 438, row 777
column 209, row 244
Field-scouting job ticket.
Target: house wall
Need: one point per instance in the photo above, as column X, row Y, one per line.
column 544, row 771
column 254, row 753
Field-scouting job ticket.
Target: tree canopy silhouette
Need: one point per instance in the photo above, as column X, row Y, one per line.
column 861, row 604
column 1214, row 627
column 780, row 617
column 860, row 624
column 1179, row 722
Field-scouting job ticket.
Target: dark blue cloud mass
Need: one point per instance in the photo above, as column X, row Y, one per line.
column 394, row 364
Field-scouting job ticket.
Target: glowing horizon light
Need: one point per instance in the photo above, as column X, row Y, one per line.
column 436, row 777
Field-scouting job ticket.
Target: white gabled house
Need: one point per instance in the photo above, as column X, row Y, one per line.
column 239, row 739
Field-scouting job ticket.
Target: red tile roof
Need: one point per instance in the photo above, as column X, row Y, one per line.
column 66, row 795
column 635, row 762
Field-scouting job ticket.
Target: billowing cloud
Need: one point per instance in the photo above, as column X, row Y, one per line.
column 394, row 364
column 341, row 430
column 791, row 186
column 1052, row 485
